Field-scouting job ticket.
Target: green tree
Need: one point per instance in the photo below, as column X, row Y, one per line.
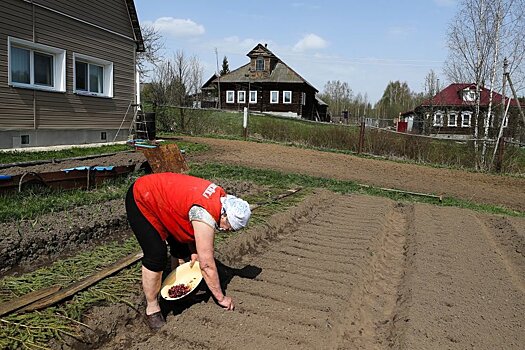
column 225, row 66
column 397, row 98
column 338, row 96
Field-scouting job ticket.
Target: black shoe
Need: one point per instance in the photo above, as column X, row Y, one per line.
column 155, row 321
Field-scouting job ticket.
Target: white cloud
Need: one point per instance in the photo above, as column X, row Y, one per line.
column 178, row 28
column 310, row 42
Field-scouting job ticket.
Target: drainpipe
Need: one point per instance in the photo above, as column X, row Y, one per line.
column 34, row 40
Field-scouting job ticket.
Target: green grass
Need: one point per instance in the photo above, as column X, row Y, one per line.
column 21, row 156
column 33, row 330
column 442, row 153
column 29, row 204
column 282, row 180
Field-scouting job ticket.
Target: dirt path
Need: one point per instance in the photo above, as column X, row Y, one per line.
column 358, row 272
column 482, row 188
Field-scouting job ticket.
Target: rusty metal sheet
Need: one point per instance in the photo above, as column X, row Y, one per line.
column 166, row 158
column 85, row 179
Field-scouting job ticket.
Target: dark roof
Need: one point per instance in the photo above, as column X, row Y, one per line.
column 136, row 25
column 281, row 73
column 451, row 96
column 319, row 101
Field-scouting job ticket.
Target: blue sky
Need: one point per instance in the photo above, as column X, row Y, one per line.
column 364, row 43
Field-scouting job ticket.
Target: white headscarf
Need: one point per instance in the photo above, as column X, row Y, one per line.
column 237, row 210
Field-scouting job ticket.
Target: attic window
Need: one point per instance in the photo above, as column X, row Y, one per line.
column 469, row 95
column 259, row 64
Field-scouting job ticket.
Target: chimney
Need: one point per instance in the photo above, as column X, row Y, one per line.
column 265, row 45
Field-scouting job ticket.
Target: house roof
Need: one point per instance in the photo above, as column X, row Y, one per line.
column 451, row 96
column 320, row 102
column 136, row 25
column 281, row 73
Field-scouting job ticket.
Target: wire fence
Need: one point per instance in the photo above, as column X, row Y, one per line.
column 383, row 142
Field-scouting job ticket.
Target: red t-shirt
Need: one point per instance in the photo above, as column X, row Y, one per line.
column 165, row 200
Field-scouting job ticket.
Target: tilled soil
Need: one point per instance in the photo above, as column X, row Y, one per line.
column 356, row 272
column 336, row 271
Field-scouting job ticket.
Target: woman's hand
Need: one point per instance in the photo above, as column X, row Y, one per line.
column 227, row 303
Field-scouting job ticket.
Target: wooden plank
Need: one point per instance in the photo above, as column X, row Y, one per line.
column 82, row 284
column 166, row 158
column 13, row 305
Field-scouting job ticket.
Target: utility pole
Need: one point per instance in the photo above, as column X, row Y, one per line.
column 218, row 78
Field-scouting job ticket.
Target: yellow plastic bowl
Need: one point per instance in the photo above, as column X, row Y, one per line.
column 184, row 274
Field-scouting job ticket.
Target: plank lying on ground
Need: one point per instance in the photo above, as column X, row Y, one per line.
column 13, row 305
column 83, row 284
column 440, row 198
column 281, row 196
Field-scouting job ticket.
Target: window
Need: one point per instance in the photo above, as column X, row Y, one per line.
column 36, row 66
column 465, row 119
column 241, row 96
column 274, row 96
column 230, row 96
column 438, row 119
column 506, row 121
column 24, row 139
column 253, row 96
column 103, row 136
column 259, row 64
column 93, row 76
column 303, row 98
column 452, row 119
column 287, row 97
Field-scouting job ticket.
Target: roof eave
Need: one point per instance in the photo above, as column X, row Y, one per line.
column 134, row 19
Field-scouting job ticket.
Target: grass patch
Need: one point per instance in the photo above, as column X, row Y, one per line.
column 282, row 180
column 29, row 204
column 33, row 330
column 22, row 156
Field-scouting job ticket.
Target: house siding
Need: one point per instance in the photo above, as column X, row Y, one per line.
column 108, row 14
column 24, row 109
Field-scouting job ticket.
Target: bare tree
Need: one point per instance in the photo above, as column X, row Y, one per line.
column 480, row 36
column 153, row 46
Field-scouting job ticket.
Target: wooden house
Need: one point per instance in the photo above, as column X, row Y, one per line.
column 67, row 71
column 265, row 84
column 451, row 113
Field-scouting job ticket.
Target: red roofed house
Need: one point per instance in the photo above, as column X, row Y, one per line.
column 451, row 113
column 265, row 84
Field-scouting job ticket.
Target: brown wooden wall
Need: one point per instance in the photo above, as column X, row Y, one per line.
column 59, row 110
column 263, row 98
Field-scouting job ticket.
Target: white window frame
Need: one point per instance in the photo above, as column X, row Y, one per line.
column 506, row 121
column 241, row 96
column 230, row 93
column 284, row 97
column 303, row 98
column 466, row 116
column 253, row 93
column 438, row 121
column 59, row 64
column 272, row 93
column 257, row 60
column 455, row 114
column 107, row 66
